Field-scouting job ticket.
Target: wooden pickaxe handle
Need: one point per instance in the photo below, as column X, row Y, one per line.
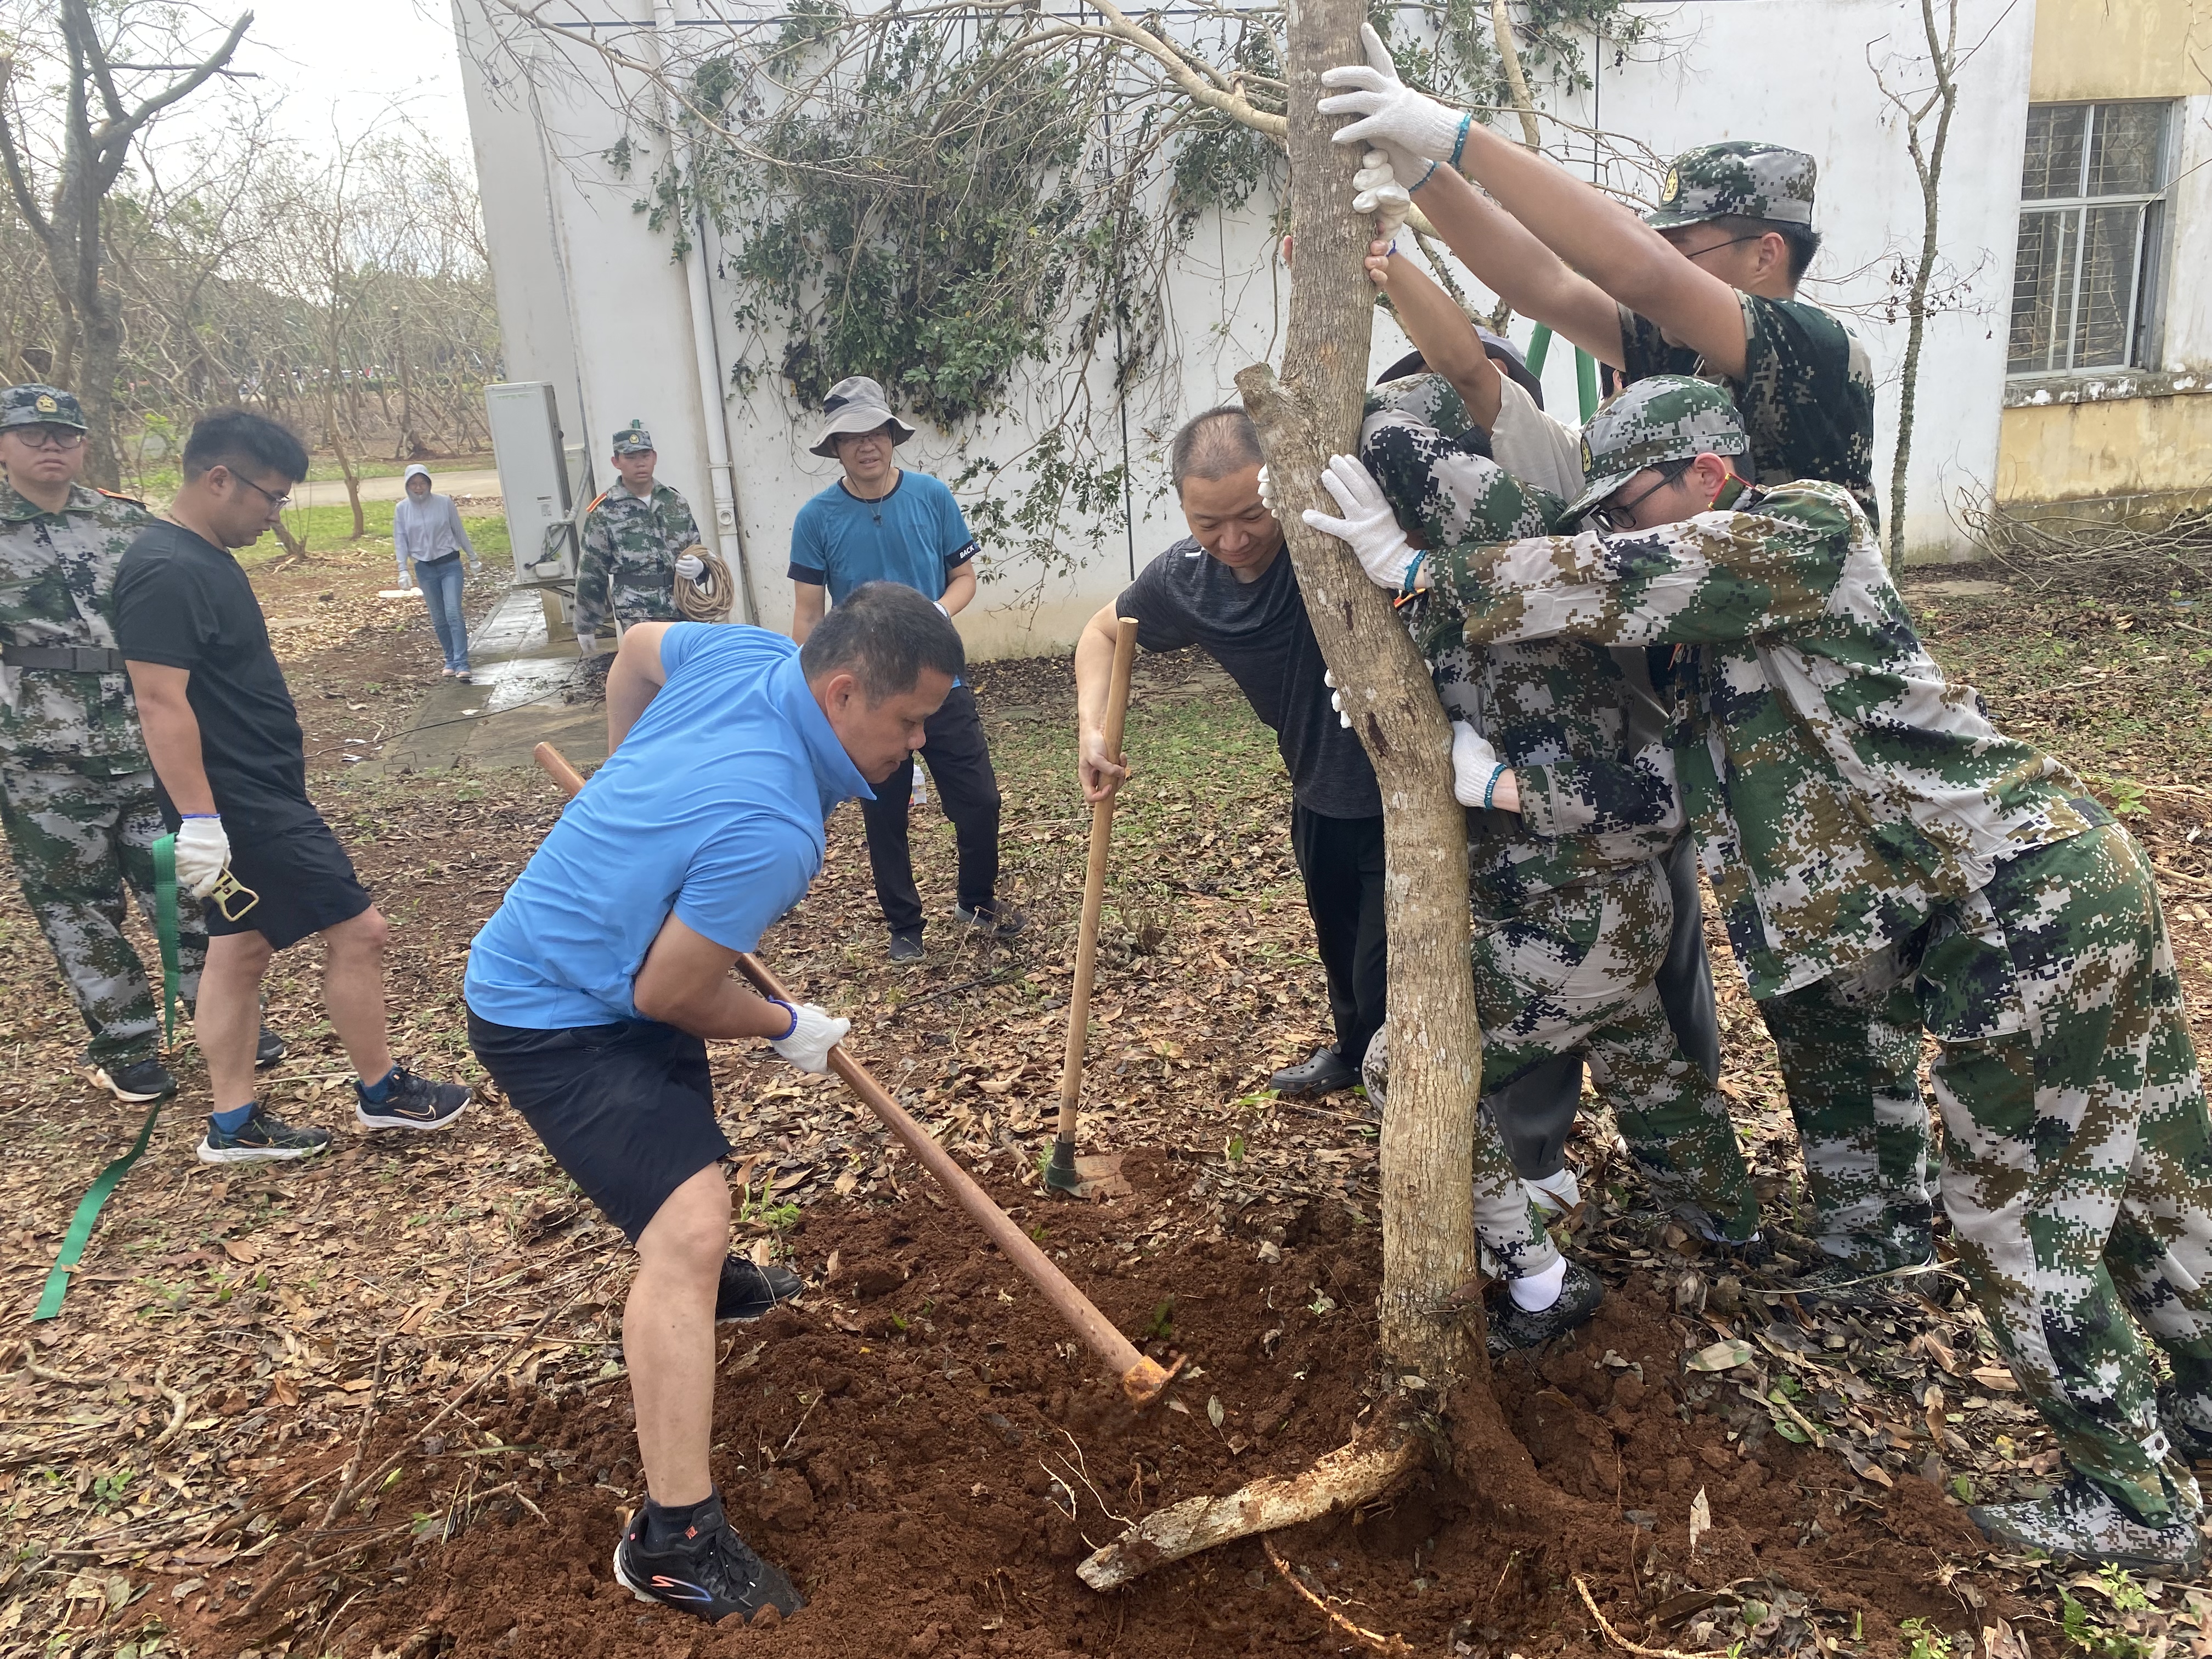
column 1094, row 888
column 1142, row 1379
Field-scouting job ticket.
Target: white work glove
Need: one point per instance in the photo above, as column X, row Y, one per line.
column 1335, row 698
column 203, row 853
column 690, row 567
column 587, row 645
column 1378, row 190
column 1368, row 525
column 1267, row 496
column 1394, row 113
column 1475, row 765
column 813, row 1034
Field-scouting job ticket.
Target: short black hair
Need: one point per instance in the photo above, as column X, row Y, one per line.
column 885, row 633
column 1213, row 444
column 1803, row 240
column 239, row 437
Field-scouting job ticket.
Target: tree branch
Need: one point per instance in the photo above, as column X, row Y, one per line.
column 18, row 185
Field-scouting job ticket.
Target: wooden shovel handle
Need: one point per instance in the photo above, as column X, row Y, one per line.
column 1094, row 888
column 1142, row 1379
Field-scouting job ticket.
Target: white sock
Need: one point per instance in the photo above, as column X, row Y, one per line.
column 1533, row 1292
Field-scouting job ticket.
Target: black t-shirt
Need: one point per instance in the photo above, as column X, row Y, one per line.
column 184, row 603
column 1259, row 632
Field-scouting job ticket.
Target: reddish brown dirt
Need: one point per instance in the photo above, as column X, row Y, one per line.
column 923, row 1449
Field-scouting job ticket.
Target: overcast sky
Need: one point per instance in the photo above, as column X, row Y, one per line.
column 345, row 60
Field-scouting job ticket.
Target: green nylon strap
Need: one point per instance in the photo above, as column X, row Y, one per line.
column 165, row 929
column 87, row 1213
column 90, row 1206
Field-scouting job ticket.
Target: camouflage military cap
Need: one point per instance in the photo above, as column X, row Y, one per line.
column 40, row 405
column 1737, row 179
column 1665, row 417
column 633, row 440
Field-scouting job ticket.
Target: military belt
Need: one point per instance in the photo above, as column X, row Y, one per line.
column 70, row 659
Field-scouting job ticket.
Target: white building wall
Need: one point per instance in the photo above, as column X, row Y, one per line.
column 590, row 297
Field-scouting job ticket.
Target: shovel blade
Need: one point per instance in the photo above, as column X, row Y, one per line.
column 1093, row 1176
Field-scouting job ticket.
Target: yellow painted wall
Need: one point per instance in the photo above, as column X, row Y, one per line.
column 2090, row 49
column 2128, row 446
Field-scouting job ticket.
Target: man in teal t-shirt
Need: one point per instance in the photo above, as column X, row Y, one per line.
column 882, row 523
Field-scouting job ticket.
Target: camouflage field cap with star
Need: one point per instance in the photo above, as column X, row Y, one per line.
column 1738, row 179
column 633, row 440
column 1666, row 417
column 40, row 405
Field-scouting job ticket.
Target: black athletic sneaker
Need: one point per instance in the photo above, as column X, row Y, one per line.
column 907, row 947
column 140, row 1081
column 747, row 1291
column 708, row 1572
column 268, row 1049
column 997, row 919
column 413, row 1103
column 261, row 1139
column 1513, row 1327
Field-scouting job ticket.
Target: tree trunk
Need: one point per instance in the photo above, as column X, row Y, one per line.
column 1436, row 1039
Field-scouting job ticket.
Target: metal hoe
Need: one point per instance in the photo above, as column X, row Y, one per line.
column 1142, row 1379
column 1094, row 1177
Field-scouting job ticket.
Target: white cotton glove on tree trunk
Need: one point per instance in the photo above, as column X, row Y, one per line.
column 202, row 854
column 1368, row 525
column 1376, row 189
column 1391, row 112
column 814, row 1032
column 1474, row 767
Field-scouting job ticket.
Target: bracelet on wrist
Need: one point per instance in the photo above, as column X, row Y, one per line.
column 1459, row 145
column 784, row 1036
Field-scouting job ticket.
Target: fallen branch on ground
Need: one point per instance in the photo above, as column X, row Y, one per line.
column 1393, row 1645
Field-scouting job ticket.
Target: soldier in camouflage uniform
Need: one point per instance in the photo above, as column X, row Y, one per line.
column 76, row 791
column 1862, row 821
column 1572, row 910
column 634, row 540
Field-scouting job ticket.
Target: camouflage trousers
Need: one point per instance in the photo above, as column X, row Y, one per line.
column 2078, row 1156
column 78, row 838
column 1849, row 1049
column 1574, row 971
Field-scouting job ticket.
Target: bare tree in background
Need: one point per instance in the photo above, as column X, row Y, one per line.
column 108, row 103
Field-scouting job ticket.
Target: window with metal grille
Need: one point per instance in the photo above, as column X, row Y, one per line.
column 2092, row 210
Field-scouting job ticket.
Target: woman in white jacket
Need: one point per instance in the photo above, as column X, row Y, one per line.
column 427, row 529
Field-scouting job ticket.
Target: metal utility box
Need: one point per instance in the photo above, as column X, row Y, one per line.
column 543, row 482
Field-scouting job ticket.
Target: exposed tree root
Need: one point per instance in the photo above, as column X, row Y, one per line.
column 1393, row 1645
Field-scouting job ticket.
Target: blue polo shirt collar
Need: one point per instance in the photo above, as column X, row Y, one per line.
column 834, row 774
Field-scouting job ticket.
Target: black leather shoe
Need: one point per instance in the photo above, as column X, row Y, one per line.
column 1324, row 1074
column 748, row 1293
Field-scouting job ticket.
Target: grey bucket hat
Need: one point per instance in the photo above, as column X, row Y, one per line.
column 857, row 404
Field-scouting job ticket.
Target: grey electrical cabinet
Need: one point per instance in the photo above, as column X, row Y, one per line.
column 542, row 480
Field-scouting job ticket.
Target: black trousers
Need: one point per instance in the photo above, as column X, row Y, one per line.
column 1535, row 1112
column 1341, row 862
column 959, row 761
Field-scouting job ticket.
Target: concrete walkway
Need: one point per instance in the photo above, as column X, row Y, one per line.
column 331, row 492
column 514, row 703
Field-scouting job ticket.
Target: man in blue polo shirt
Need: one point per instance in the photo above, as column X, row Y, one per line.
column 881, row 523
column 594, row 988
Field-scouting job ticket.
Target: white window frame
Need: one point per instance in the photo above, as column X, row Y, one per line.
column 2147, row 267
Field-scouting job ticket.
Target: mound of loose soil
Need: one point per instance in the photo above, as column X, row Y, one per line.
column 924, row 1450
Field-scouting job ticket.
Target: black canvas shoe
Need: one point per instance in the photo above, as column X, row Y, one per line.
column 140, row 1081
column 413, row 1102
column 1324, row 1074
column 907, row 947
column 709, row 1570
column 1513, row 1327
column 747, row 1291
column 268, row 1049
column 261, row 1139
column 997, row 919
column 2080, row 1521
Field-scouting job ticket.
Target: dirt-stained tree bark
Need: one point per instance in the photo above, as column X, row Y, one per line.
column 1436, row 1040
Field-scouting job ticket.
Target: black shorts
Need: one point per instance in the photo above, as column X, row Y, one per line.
column 628, row 1109
column 306, row 882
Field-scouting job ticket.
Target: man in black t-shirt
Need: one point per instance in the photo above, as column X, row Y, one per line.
column 231, row 770
column 1228, row 588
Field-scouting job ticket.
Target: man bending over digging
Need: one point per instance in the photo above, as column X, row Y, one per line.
column 594, row 988
column 1866, row 827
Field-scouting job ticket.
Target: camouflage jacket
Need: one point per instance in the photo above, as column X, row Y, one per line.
column 57, row 588
column 1840, row 785
column 1807, row 397
column 1578, row 723
column 627, row 569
